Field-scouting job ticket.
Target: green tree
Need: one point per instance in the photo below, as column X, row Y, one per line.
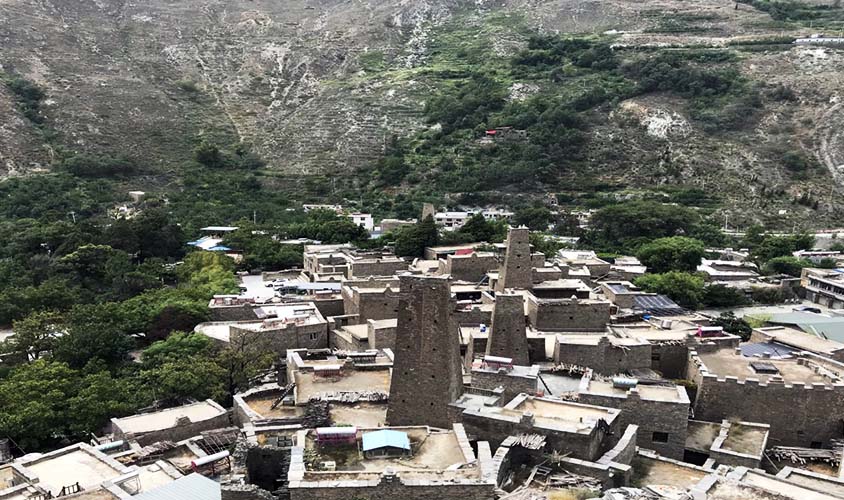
column 736, row 326
column 94, row 331
column 412, row 240
column 623, row 226
column 180, row 379
column 477, row 228
column 35, row 335
column 535, row 218
column 684, row 288
column 789, row 265
column 177, row 346
column 675, row 253
column 33, row 403
column 723, row 296
column 772, row 246
column 245, row 357
column 209, row 155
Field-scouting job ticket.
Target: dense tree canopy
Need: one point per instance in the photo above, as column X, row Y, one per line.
column 675, row 253
column 627, row 225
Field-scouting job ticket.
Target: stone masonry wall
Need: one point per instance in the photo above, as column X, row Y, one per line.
column 799, row 414
column 427, row 372
column 370, row 304
column 471, row 268
column 381, row 338
column 650, row 416
column 397, row 491
column 362, row 269
column 508, row 337
column 605, row 358
column 513, row 384
column 497, row 428
column 291, row 337
column 568, row 314
column 517, row 269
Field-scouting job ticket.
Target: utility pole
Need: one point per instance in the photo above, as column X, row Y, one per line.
column 73, row 216
column 255, row 217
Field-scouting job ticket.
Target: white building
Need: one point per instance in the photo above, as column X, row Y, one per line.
column 363, row 220
column 455, row 220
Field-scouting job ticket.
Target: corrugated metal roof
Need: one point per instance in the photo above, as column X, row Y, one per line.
column 385, row 438
column 192, row 487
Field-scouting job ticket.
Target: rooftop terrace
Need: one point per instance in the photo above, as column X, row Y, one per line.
column 75, row 464
column 726, row 363
column 310, row 385
column 165, row 419
column 561, row 415
column 672, row 394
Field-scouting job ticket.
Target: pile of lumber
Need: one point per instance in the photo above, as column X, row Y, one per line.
column 568, row 480
column 530, row 441
column 567, row 369
column 797, row 455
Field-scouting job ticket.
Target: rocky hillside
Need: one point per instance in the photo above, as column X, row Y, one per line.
column 320, row 87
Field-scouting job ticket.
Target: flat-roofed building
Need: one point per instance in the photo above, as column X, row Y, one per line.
column 171, row 424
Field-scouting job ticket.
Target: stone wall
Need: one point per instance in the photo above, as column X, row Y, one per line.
column 513, row 383
column 177, row 433
column 381, row 337
column 605, row 357
column 471, row 268
column 799, row 414
column 508, row 337
column 376, row 267
column 571, row 315
column 396, row 489
column 427, row 372
column 330, row 307
column 243, row 312
column 496, row 428
column 370, row 303
column 290, row 337
column 670, row 358
column 650, row 416
column 517, row 269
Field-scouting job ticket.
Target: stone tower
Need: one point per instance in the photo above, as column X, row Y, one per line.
column 427, row 209
column 516, row 271
column 508, row 336
column 427, row 374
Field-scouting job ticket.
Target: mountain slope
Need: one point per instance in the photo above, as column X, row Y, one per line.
column 319, row 87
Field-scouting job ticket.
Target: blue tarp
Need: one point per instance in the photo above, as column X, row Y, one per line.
column 385, row 438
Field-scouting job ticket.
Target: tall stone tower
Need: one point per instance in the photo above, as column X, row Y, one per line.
column 508, row 337
column 427, row 209
column 516, row 271
column 427, row 374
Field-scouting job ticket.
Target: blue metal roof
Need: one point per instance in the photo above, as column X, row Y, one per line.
column 385, row 438
column 193, row 487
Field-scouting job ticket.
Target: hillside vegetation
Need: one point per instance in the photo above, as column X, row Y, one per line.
column 386, row 104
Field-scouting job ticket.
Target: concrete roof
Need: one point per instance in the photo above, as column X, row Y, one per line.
column 166, row 419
